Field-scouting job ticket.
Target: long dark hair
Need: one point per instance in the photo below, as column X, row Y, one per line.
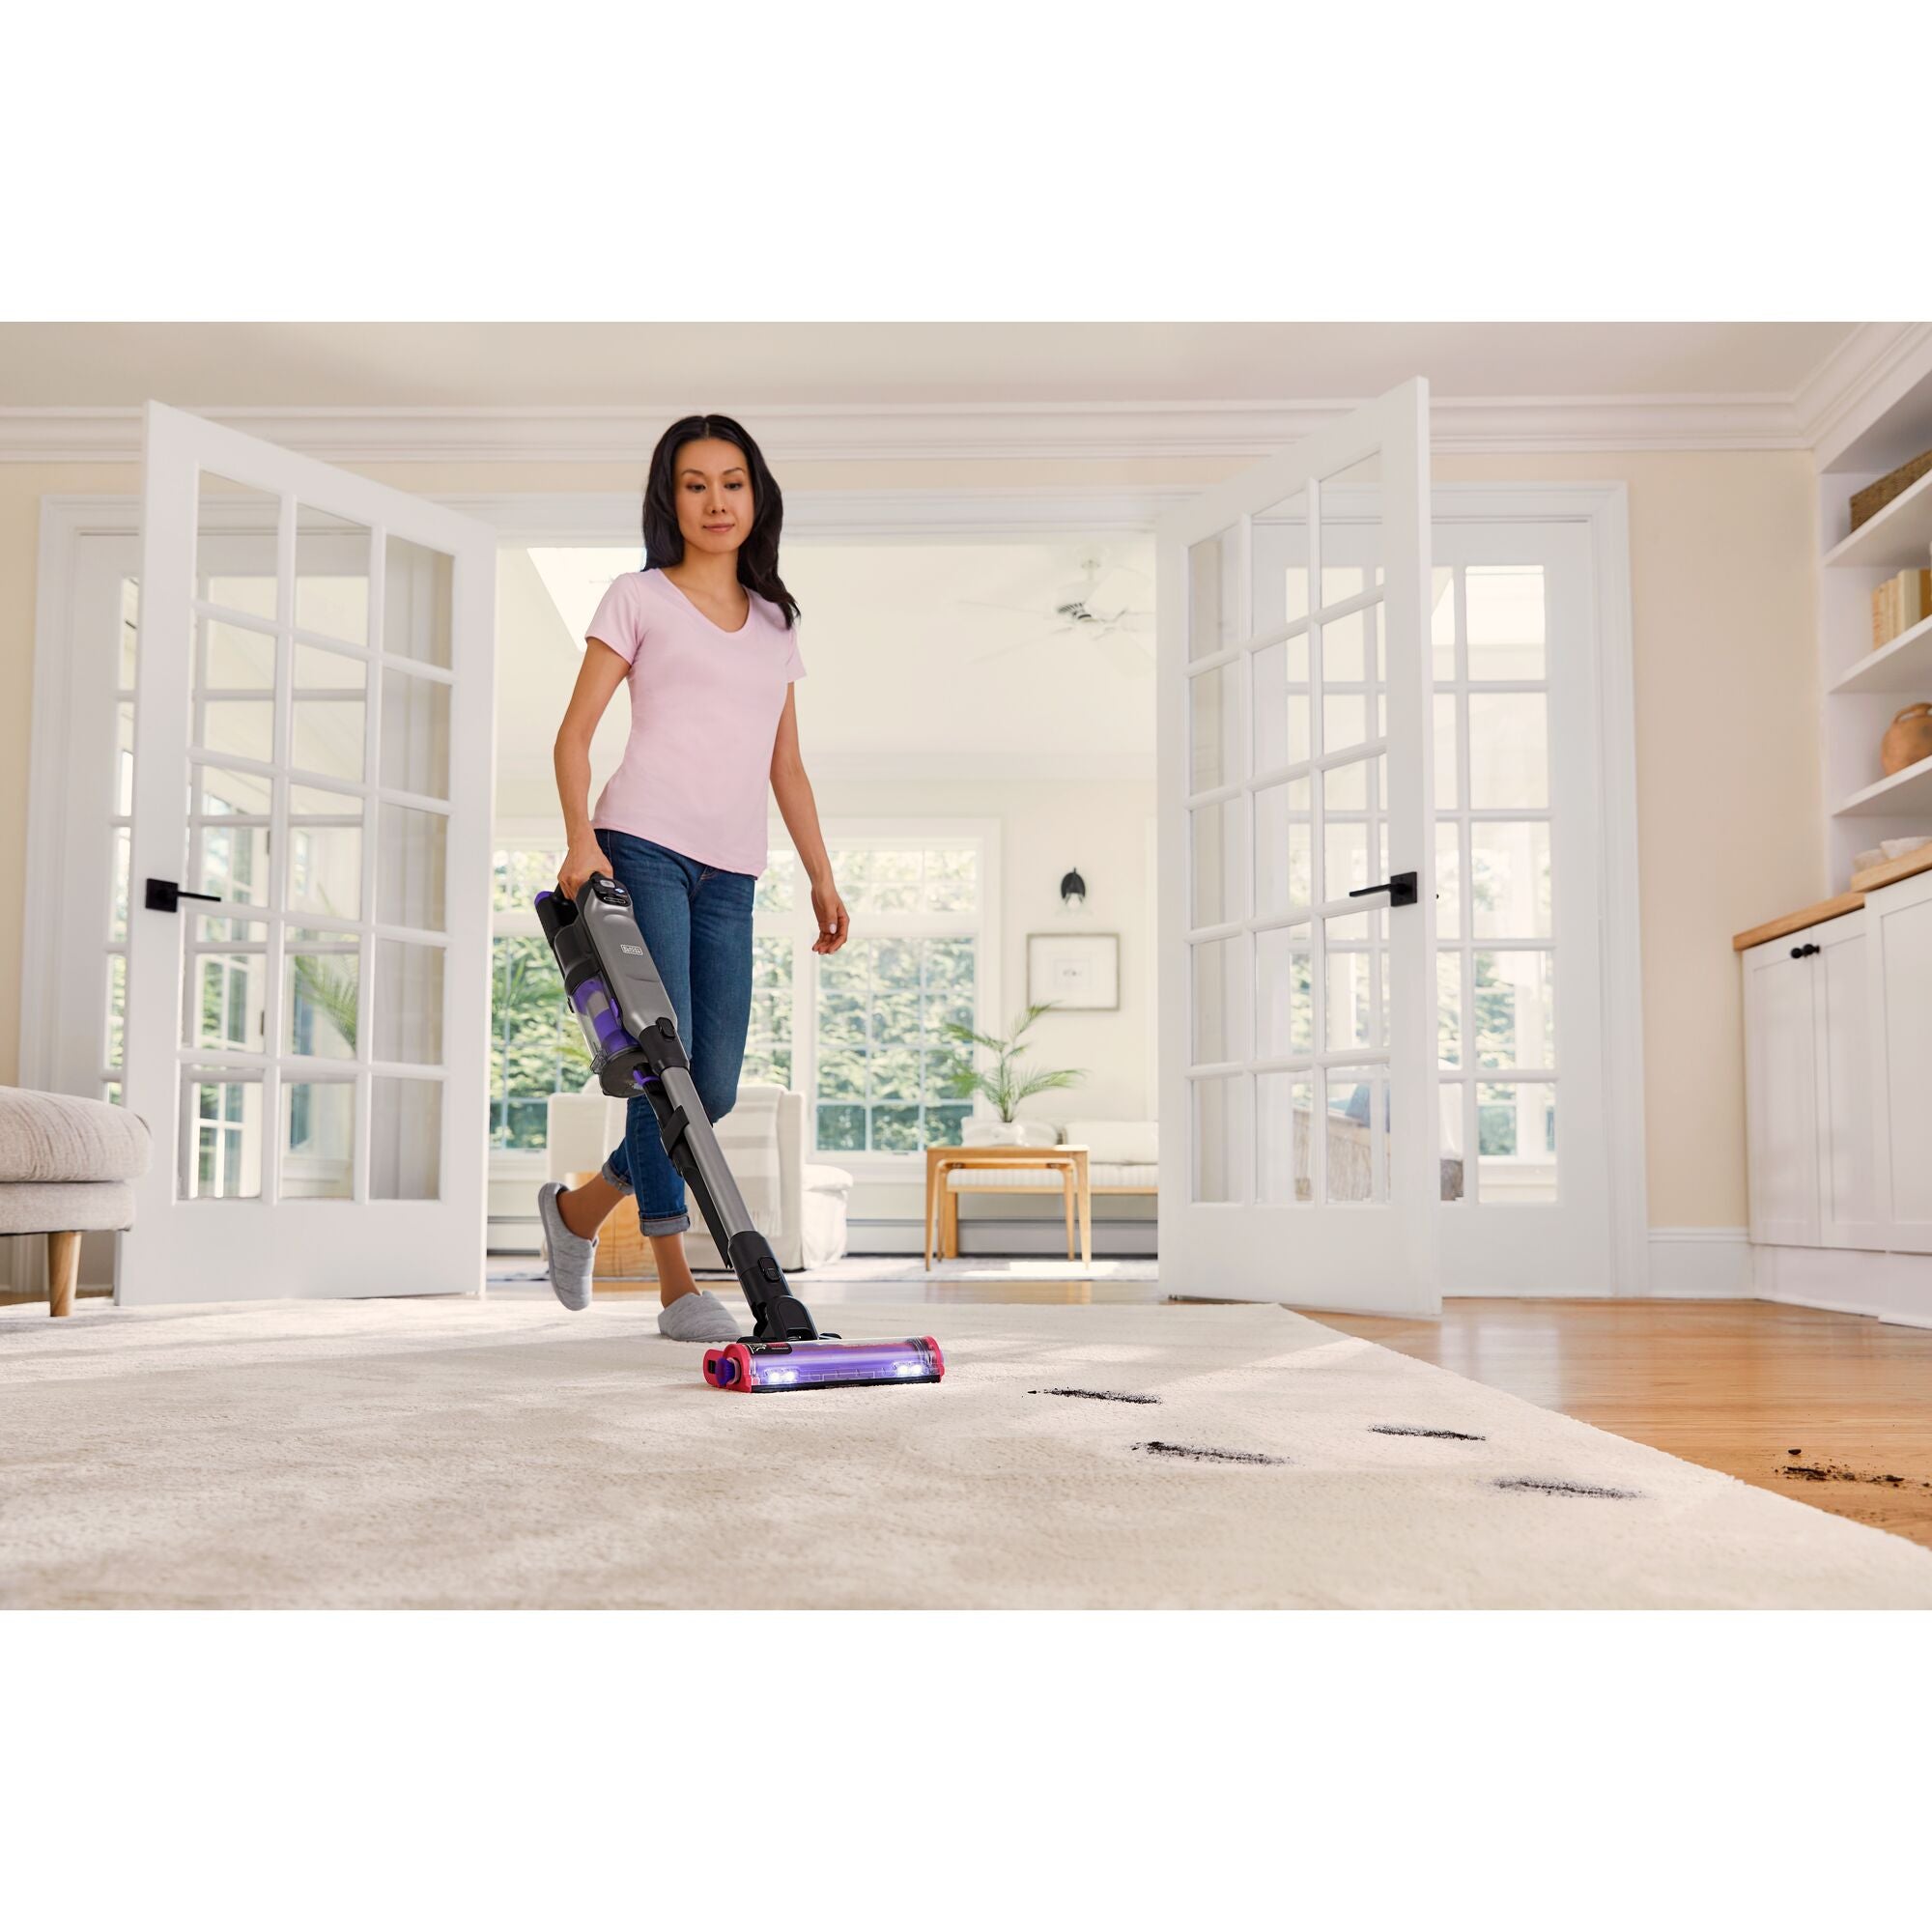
column 758, row 554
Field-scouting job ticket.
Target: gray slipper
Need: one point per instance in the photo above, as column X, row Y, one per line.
column 699, row 1318
column 567, row 1256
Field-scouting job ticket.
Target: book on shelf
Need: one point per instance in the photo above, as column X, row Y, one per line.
column 1900, row 602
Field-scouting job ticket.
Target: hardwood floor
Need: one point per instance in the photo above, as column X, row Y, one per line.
column 1734, row 1385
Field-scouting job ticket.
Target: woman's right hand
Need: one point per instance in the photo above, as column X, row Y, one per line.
column 583, row 858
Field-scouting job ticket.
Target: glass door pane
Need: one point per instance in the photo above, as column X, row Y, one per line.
column 1493, row 799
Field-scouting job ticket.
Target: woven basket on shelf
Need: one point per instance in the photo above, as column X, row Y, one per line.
column 1874, row 497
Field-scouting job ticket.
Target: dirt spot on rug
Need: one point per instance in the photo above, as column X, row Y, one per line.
column 1550, row 1486
column 1098, row 1396
column 1418, row 1429
column 1196, row 1455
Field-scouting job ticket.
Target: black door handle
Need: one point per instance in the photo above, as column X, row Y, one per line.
column 1399, row 886
column 164, row 895
column 1803, row 951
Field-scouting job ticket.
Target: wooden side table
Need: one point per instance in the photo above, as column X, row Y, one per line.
column 942, row 1202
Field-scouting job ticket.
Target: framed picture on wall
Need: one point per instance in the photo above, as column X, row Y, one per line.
column 1079, row 972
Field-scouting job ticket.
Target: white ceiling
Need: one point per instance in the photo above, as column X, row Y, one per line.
column 900, row 678
column 727, row 365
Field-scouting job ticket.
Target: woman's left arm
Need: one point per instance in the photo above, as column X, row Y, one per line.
column 799, row 812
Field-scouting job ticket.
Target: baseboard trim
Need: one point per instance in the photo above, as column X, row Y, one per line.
column 1701, row 1265
column 982, row 1236
column 1847, row 1281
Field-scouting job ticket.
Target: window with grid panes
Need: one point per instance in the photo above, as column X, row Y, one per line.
column 863, row 1032
column 536, row 1048
column 120, row 833
column 1497, row 963
column 865, row 1026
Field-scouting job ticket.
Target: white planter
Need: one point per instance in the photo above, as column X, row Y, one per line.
column 1009, row 1133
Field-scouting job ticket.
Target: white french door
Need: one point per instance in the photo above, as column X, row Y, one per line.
column 1298, row 1077
column 308, row 970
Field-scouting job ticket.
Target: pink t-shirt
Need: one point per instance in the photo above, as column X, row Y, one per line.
column 705, row 705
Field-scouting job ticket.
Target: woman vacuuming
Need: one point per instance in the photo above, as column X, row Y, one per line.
column 705, row 635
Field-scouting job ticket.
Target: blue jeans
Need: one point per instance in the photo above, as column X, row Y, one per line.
column 696, row 919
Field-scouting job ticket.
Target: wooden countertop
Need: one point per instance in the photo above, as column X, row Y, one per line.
column 1796, row 922
column 1888, row 874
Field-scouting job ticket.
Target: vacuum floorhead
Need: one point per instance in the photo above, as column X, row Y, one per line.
column 750, row 1368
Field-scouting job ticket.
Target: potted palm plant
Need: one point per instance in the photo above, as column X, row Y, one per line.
column 1005, row 1083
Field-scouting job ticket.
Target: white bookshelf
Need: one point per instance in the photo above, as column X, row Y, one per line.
column 1898, row 537
column 1862, row 690
column 1905, row 665
column 1906, row 791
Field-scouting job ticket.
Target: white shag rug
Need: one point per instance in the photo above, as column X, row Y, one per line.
column 494, row 1453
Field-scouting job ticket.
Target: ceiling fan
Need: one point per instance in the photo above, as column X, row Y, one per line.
column 1100, row 608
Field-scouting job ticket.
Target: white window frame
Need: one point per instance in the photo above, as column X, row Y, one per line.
column 519, row 834
column 983, row 926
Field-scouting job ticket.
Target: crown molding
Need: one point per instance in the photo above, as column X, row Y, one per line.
column 936, row 432
column 1862, row 376
column 1823, row 414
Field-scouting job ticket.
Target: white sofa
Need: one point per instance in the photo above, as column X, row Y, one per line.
column 1123, row 1157
column 67, row 1166
column 798, row 1206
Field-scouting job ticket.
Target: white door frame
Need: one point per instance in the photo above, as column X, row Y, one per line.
column 923, row 516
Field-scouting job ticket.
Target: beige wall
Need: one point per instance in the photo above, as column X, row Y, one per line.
column 1729, row 831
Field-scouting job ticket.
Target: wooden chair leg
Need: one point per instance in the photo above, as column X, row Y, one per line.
column 1066, row 1201
column 1086, row 1218
column 63, row 1268
column 948, row 1226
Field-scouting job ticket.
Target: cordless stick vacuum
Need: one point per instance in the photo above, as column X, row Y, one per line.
column 629, row 1021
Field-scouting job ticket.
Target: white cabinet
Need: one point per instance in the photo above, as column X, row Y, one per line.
column 1899, row 924
column 1810, row 1096
column 1780, row 1092
column 1849, row 1214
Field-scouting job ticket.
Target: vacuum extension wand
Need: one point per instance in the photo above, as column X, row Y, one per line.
column 631, row 1026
